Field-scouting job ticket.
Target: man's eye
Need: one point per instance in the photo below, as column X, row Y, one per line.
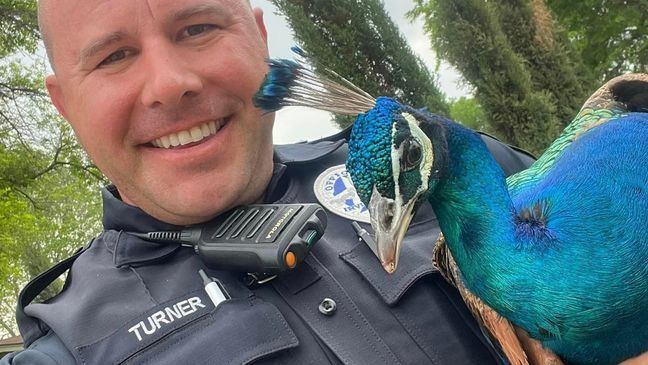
column 197, row 29
column 114, row 57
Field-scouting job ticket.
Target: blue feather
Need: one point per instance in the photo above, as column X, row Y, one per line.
column 298, row 51
column 276, row 85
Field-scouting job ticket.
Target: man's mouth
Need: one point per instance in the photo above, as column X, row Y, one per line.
column 189, row 136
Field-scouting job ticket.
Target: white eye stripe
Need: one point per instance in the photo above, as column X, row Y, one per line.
column 395, row 159
column 425, row 167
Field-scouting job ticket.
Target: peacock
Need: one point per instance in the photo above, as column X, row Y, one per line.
column 559, row 249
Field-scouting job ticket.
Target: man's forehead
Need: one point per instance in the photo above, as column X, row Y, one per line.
column 80, row 21
column 73, row 13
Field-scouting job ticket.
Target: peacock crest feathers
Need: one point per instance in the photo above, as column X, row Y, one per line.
column 295, row 83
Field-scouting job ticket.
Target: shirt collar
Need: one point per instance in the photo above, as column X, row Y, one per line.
column 120, row 218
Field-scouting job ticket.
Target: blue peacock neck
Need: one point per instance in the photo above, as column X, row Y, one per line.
column 474, row 209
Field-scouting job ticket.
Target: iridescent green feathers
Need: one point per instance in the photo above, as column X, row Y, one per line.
column 612, row 101
column 586, row 119
column 371, row 138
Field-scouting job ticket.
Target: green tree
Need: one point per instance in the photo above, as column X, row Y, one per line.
column 468, row 112
column 525, row 78
column 552, row 62
column 610, row 36
column 47, row 184
column 358, row 40
column 18, row 26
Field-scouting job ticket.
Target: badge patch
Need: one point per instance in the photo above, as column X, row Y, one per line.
column 335, row 191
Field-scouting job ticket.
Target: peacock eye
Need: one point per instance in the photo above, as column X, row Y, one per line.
column 412, row 154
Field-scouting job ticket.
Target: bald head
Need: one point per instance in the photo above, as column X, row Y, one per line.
column 43, row 6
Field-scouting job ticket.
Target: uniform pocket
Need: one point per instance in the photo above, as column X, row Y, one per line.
column 192, row 331
column 415, row 262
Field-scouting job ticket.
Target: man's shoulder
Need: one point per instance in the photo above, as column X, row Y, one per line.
column 303, row 153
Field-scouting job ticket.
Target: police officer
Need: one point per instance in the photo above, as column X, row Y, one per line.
column 159, row 94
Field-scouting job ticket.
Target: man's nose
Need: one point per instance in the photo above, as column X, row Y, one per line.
column 169, row 78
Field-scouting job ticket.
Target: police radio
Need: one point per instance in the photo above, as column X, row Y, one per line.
column 261, row 238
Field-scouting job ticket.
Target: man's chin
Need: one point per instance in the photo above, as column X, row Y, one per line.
column 199, row 196
column 192, row 208
column 188, row 215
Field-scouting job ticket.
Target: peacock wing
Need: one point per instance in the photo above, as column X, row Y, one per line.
column 618, row 96
column 516, row 345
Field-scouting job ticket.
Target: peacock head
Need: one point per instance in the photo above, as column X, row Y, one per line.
column 390, row 161
column 390, row 158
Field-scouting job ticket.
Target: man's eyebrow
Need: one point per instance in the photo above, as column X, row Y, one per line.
column 186, row 13
column 99, row 45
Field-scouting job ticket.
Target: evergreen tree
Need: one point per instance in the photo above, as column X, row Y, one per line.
column 552, row 62
column 358, row 40
column 527, row 77
column 469, row 113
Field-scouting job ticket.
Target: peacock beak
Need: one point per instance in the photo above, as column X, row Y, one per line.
column 389, row 220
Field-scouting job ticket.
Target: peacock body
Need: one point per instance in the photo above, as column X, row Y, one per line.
column 563, row 252
column 560, row 249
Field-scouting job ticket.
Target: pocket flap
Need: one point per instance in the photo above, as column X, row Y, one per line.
column 414, row 263
column 238, row 331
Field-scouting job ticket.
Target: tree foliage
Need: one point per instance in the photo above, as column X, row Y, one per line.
column 610, row 36
column 469, row 113
column 358, row 40
column 47, row 184
column 18, row 26
column 526, row 80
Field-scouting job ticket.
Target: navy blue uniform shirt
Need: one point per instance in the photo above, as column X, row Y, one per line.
column 127, row 301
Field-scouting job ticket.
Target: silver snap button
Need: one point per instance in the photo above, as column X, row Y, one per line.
column 327, row 307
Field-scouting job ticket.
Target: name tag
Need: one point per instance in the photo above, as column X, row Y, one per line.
column 167, row 316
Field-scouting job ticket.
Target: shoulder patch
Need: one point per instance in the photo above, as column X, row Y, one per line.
column 335, row 191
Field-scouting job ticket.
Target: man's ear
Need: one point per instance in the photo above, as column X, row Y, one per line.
column 258, row 16
column 56, row 94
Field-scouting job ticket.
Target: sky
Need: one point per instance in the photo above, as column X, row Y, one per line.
column 296, row 124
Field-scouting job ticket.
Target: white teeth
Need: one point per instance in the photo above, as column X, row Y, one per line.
column 174, row 139
column 166, row 143
column 205, row 129
column 184, row 137
column 195, row 134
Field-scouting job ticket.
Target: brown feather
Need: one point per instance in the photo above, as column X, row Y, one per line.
column 517, row 346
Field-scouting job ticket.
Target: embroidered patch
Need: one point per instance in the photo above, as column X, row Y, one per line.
column 335, row 191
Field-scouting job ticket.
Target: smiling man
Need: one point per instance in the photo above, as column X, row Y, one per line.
column 159, row 93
